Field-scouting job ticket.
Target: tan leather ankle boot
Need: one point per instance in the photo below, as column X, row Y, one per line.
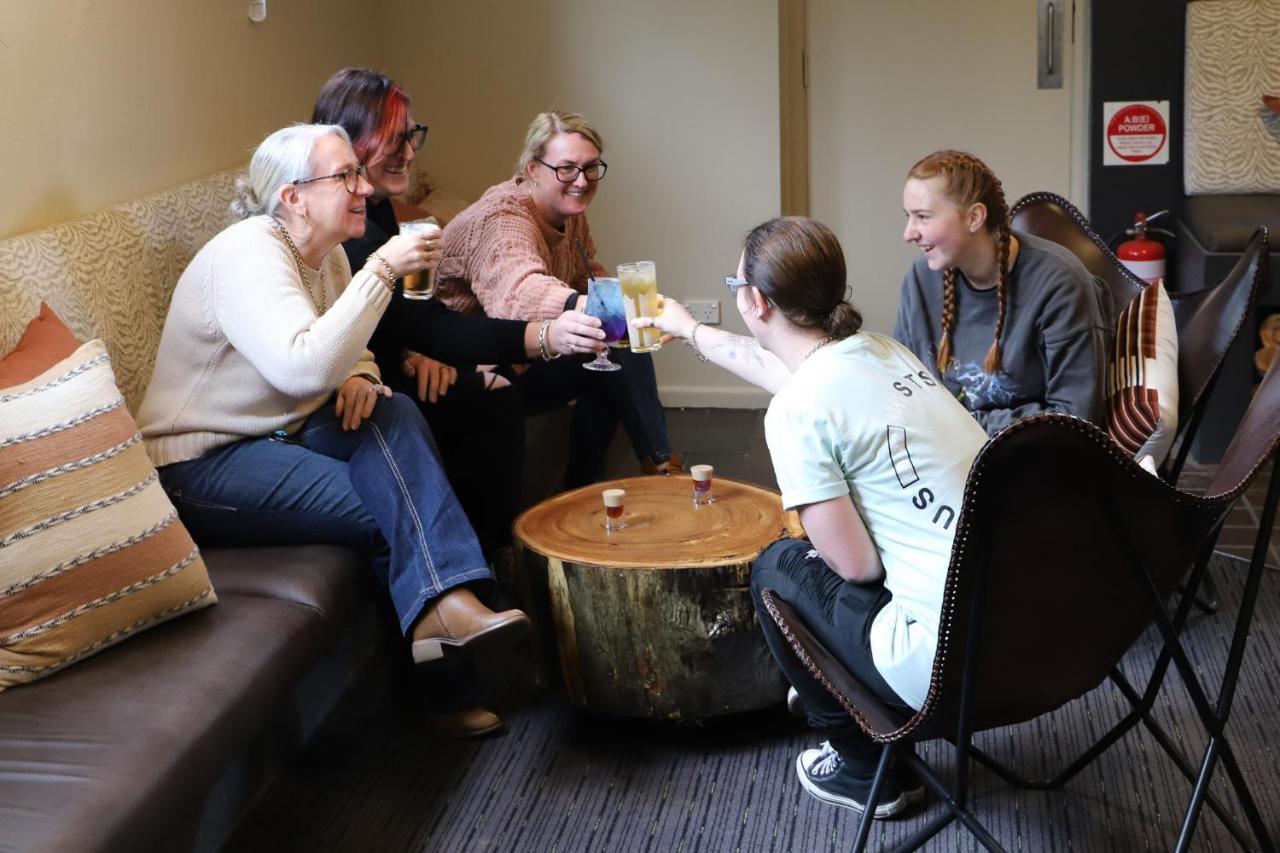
column 459, row 619
column 466, row 723
column 672, row 465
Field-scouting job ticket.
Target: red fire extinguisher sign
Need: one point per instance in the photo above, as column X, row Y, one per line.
column 1137, row 133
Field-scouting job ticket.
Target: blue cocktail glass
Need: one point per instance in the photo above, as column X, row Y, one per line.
column 604, row 300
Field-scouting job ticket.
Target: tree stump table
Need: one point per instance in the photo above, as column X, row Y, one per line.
column 655, row 619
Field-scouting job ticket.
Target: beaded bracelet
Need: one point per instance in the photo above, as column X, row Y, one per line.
column 542, row 343
column 693, row 342
column 390, row 278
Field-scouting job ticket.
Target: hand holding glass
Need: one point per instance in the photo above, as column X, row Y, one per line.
column 604, row 300
column 640, row 298
column 421, row 285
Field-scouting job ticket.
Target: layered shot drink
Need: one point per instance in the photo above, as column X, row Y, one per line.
column 640, row 298
column 702, row 476
column 613, row 501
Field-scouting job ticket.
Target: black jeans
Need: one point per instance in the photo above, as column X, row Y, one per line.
column 629, row 396
column 839, row 613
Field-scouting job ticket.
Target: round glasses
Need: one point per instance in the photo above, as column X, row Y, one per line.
column 414, row 137
column 569, row 172
column 350, row 177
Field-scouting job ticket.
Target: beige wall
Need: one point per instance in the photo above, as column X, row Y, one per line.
column 107, row 101
column 685, row 94
column 121, row 98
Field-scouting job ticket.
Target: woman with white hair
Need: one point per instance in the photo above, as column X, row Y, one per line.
column 266, row 415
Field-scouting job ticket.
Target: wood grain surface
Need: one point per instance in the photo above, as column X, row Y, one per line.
column 663, row 526
column 655, row 619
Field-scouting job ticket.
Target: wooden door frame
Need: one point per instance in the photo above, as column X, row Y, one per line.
column 793, row 88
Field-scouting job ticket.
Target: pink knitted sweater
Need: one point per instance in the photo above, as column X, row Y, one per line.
column 501, row 259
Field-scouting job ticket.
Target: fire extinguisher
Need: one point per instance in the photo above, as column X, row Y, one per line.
column 1144, row 256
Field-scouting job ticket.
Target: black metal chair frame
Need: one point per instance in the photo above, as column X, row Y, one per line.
column 957, row 724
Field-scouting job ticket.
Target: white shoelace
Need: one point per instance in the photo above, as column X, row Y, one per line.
column 827, row 762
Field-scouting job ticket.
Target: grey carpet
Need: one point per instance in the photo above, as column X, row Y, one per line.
column 560, row 780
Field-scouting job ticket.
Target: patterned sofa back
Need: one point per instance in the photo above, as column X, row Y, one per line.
column 110, row 274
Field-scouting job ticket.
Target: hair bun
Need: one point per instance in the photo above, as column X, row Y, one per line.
column 843, row 321
column 246, row 202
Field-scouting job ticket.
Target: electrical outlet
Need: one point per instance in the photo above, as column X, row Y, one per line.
column 704, row 310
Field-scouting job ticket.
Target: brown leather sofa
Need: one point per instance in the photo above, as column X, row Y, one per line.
column 164, row 741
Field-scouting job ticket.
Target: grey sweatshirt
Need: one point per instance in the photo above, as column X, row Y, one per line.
column 1054, row 346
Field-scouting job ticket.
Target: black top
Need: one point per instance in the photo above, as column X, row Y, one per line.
column 429, row 326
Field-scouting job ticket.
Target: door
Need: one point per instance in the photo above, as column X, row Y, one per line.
column 889, row 82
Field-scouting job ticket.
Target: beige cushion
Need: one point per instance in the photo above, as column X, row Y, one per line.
column 1142, row 378
column 91, row 549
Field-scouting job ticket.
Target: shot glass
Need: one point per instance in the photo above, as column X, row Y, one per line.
column 613, row 501
column 421, row 285
column 702, row 484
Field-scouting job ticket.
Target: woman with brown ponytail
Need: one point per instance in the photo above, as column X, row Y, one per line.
column 851, row 411
column 1012, row 324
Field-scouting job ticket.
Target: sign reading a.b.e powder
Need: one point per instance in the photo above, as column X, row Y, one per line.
column 1136, row 133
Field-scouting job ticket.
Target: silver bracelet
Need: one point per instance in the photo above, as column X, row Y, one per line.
column 693, row 342
column 542, row 343
column 390, row 278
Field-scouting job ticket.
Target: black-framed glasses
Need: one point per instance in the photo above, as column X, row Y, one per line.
column 415, row 136
column 733, row 283
column 569, row 172
column 350, row 178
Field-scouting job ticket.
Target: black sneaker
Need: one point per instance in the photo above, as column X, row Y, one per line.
column 794, row 706
column 824, row 774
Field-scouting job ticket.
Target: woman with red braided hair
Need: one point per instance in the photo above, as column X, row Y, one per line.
column 1012, row 324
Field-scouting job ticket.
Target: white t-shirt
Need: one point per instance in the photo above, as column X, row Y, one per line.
column 863, row 417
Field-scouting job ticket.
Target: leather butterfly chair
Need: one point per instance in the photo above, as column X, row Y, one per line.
column 1014, row 644
column 1208, row 320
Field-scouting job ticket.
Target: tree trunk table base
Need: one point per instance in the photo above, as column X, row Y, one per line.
column 655, row 619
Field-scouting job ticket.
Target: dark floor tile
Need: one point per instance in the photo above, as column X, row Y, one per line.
column 685, row 418
column 720, row 440
column 736, row 418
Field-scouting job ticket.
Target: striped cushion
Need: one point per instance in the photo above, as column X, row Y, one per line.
column 91, row 549
column 1142, row 377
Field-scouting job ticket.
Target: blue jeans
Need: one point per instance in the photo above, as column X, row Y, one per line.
column 379, row 489
column 628, row 396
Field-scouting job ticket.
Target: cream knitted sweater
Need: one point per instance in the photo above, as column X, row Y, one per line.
column 500, row 258
column 245, row 351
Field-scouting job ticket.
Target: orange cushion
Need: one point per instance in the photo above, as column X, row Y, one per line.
column 46, row 341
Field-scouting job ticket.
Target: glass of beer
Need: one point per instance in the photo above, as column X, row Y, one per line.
column 640, row 298
column 421, row 285
column 613, row 501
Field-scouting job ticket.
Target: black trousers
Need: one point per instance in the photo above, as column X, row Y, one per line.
column 839, row 613
column 628, row 396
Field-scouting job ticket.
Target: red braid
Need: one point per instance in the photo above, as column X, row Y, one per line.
column 948, row 318
column 992, row 364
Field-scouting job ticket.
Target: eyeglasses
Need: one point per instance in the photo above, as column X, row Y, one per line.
column 568, row 173
column 350, row 178
column 733, row 283
column 415, row 136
